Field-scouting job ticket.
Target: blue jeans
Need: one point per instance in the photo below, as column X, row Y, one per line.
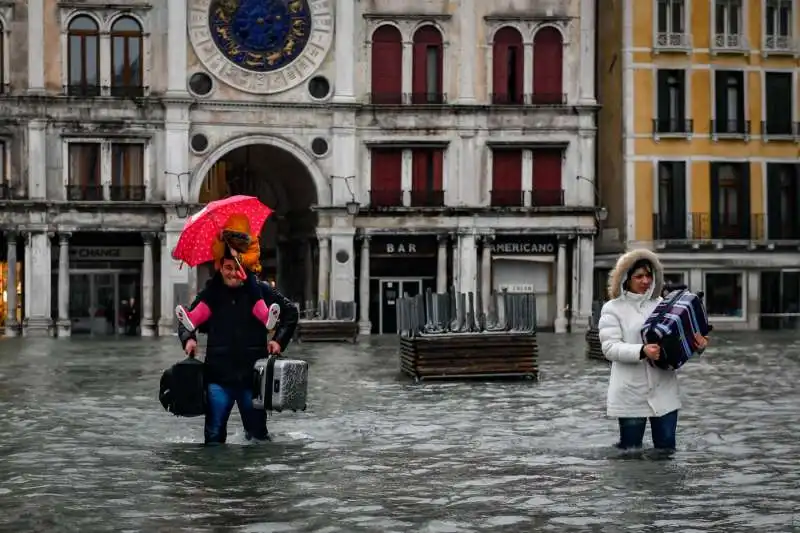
column 218, row 410
column 663, row 429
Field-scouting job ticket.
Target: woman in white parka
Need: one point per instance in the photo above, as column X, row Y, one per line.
column 638, row 390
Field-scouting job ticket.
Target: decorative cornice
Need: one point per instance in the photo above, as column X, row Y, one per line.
column 407, row 16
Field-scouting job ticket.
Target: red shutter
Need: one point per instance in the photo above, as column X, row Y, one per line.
column 419, row 170
column 386, row 179
column 387, row 66
column 506, row 177
column 547, row 176
column 500, row 73
column 439, row 69
column 419, row 85
column 504, row 40
column 423, row 38
column 519, row 68
column 548, row 51
column 438, row 170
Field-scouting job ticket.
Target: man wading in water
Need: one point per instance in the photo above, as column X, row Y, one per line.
column 236, row 340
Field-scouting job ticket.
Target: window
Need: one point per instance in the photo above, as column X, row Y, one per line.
column 3, row 79
column 783, row 199
column 548, row 57
column 779, row 104
column 670, row 18
column 427, row 80
column 507, row 178
column 723, row 294
column 84, row 57
column 546, row 180
column 126, row 58
column 671, row 102
column 730, row 201
column 729, row 108
column 728, row 24
column 427, row 177
column 5, row 186
column 674, row 278
column 386, row 188
column 779, row 18
column 127, row 172
column 507, row 67
column 85, row 172
column 671, row 216
column 387, row 66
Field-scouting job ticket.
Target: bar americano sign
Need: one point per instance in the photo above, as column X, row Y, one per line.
column 524, row 246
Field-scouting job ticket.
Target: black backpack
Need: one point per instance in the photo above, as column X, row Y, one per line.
column 182, row 391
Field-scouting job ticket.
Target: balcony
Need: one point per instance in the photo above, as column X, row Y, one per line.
column 704, row 230
column 784, row 45
column 427, row 98
column 673, row 42
column 385, row 98
column 507, row 198
column 507, row 99
column 729, row 43
column 672, row 127
column 547, row 197
column 85, row 193
column 127, row 193
column 86, row 91
column 784, row 129
column 123, row 91
column 427, row 198
column 386, row 198
column 731, row 129
column 784, row 230
column 665, row 228
column 548, row 98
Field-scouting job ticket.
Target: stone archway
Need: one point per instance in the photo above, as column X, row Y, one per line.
column 276, row 173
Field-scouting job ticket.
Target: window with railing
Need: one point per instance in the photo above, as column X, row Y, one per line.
column 428, row 59
column 5, row 188
column 779, row 105
column 729, row 103
column 127, row 172
column 507, row 67
column 126, row 57
column 3, row 74
column 728, row 24
column 778, row 32
column 730, row 201
column 85, row 172
column 783, row 199
column 671, row 112
column 670, row 221
column 671, row 24
column 83, row 61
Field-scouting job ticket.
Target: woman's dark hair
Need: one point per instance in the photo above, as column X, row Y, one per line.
column 641, row 263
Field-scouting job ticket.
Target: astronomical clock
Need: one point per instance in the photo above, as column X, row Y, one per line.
column 261, row 46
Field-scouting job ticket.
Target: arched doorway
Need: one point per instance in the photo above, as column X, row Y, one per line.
column 288, row 240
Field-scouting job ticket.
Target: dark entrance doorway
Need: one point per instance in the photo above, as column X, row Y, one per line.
column 289, row 247
column 780, row 299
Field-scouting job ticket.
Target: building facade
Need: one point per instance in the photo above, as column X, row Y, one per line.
column 446, row 145
column 700, row 149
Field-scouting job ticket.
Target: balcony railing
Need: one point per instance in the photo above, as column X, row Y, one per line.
column 779, row 45
column 704, row 228
column 672, row 41
column 127, row 193
column 428, row 98
column 549, row 98
column 385, row 98
column 729, row 43
column 386, row 198
column 665, row 228
column 673, row 126
column 507, row 198
column 83, row 90
column 427, row 198
column 730, row 128
column 781, row 128
column 507, row 99
column 85, row 193
column 547, row 197
column 124, row 91
column 784, row 230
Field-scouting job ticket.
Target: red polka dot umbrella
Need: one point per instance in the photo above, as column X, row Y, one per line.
column 202, row 228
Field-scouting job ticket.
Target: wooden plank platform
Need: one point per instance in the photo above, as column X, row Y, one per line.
column 326, row 331
column 470, row 355
column 594, row 349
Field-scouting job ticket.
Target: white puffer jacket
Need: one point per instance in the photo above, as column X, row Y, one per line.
column 635, row 389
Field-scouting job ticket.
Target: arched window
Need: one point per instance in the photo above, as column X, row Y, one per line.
column 387, row 66
column 84, row 57
column 426, row 80
column 507, row 67
column 126, row 57
column 548, row 57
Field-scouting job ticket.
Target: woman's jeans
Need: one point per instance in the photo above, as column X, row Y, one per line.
column 218, row 410
column 663, row 428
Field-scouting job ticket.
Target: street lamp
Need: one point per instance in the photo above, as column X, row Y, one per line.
column 601, row 213
column 352, row 207
column 181, row 208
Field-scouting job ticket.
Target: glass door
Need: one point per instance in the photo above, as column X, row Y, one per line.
column 106, row 304
column 81, row 310
column 390, row 292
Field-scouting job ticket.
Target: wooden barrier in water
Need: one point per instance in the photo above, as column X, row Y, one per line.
column 441, row 337
column 594, row 350
column 328, row 322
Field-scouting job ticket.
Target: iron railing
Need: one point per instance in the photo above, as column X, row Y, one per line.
column 507, row 198
column 85, row 193
column 127, row 193
column 386, row 198
column 675, row 126
column 427, row 198
column 737, row 127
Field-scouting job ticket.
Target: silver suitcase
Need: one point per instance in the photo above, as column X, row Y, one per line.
column 280, row 384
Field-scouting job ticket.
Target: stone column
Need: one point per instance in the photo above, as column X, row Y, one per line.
column 308, row 293
column 64, row 325
column 37, row 160
column 588, row 20
column 324, row 271
column 468, row 264
column 408, row 70
column 342, row 265
column 176, row 51
column 345, row 51
column 585, row 282
column 38, row 295
column 561, row 288
column 454, row 239
column 441, row 265
column 469, row 50
column 364, row 325
column 486, row 271
column 174, row 280
column 12, row 325
column 147, row 325
column 35, row 32
column 527, row 72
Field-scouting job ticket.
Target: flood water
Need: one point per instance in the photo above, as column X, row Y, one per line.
column 85, row 446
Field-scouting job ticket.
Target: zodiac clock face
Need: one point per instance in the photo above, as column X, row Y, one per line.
column 261, row 46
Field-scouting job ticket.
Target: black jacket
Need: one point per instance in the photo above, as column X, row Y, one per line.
column 236, row 339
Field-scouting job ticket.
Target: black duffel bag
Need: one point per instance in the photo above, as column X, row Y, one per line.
column 182, row 391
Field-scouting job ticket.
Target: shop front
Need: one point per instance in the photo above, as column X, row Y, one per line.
column 525, row 264
column 399, row 265
column 11, row 308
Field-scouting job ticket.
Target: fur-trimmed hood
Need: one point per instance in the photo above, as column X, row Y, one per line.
column 617, row 276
